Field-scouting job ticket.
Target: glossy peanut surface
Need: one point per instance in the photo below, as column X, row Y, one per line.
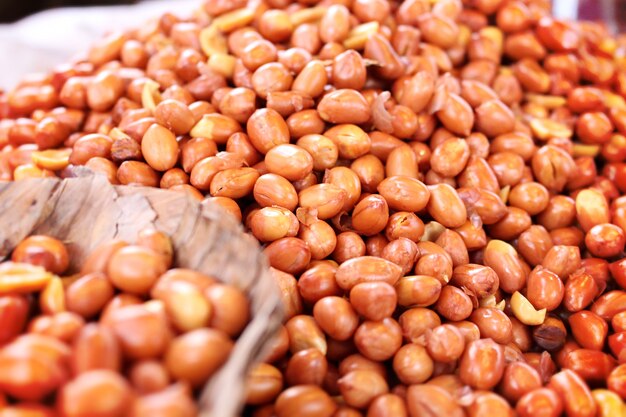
column 97, row 345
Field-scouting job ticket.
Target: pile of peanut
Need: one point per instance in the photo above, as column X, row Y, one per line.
column 437, row 185
column 128, row 335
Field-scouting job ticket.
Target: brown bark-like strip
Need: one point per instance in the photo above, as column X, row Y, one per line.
column 87, row 211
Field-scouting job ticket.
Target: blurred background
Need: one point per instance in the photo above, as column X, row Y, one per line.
column 36, row 35
column 40, row 40
column 11, row 11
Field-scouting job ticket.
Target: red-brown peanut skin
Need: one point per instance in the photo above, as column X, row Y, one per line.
column 445, row 206
column 575, row 394
column 542, row 402
column 482, row 364
column 429, row 400
column 366, row 269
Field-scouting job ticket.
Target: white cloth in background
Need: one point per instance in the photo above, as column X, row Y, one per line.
column 39, row 42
